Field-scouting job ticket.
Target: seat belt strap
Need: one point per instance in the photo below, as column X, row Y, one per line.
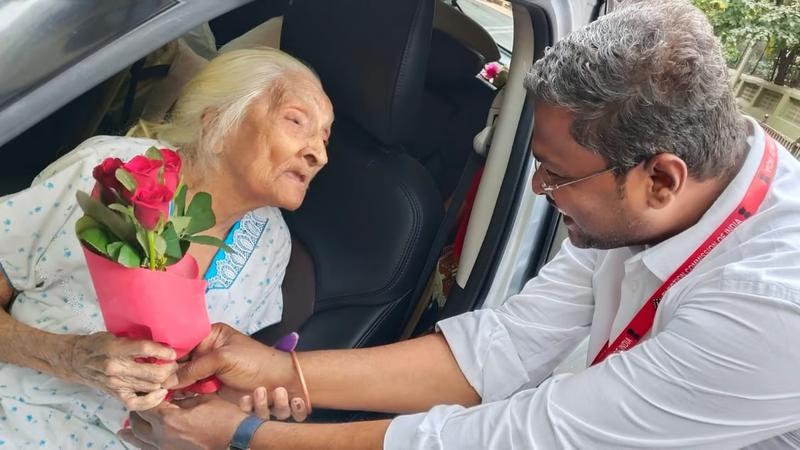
column 424, row 284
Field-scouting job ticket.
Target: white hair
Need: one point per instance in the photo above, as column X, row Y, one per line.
column 226, row 87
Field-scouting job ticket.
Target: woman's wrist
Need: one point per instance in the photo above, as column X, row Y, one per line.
column 61, row 356
column 37, row 349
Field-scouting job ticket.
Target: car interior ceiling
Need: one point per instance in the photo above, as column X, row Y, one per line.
column 408, row 104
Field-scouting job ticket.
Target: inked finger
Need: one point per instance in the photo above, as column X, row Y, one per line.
column 280, row 403
column 261, row 403
column 299, row 410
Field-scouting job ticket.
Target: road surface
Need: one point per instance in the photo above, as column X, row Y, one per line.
column 494, row 18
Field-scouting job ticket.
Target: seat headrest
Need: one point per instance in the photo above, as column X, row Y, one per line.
column 450, row 61
column 371, row 57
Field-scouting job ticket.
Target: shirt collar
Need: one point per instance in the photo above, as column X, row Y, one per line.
column 665, row 257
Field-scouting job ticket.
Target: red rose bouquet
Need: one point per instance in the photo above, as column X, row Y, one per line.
column 135, row 232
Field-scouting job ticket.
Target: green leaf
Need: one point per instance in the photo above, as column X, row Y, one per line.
column 141, row 238
column 180, row 201
column 161, row 245
column 95, row 238
column 84, row 223
column 127, row 180
column 153, row 153
column 180, row 223
column 209, row 240
column 113, row 249
column 200, row 212
column 129, row 257
column 173, row 249
column 127, row 211
column 101, row 213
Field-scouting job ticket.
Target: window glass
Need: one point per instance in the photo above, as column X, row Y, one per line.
column 494, row 16
column 42, row 38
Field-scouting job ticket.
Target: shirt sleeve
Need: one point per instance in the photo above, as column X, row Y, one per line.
column 720, row 374
column 31, row 219
column 520, row 343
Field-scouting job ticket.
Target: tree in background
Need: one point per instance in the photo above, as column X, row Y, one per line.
column 771, row 27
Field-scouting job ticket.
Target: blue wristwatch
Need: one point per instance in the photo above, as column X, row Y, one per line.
column 244, row 433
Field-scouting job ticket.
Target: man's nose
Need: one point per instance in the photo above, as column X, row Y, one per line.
column 536, row 183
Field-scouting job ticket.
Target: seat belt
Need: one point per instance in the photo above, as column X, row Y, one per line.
column 139, row 73
column 424, row 286
column 477, row 155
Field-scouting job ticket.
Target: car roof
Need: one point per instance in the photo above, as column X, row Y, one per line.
column 84, row 43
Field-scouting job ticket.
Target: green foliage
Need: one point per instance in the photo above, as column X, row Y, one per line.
column 200, row 212
column 776, row 23
column 127, row 180
column 117, row 224
column 209, row 240
column 180, row 200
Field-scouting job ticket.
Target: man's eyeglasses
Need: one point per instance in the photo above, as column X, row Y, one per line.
column 549, row 188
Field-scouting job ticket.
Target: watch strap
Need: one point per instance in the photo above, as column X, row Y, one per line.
column 244, row 432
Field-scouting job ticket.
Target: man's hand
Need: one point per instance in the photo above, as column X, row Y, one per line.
column 203, row 423
column 240, row 362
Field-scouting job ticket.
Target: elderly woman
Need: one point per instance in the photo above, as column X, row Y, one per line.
column 252, row 128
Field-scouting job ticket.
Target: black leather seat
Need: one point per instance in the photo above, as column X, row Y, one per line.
column 369, row 218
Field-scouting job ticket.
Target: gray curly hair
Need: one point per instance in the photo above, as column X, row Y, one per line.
column 648, row 78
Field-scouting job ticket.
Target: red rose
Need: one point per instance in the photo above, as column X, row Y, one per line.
column 150, row 203
column 144, row 170
column 172, row 168
column 105, row 174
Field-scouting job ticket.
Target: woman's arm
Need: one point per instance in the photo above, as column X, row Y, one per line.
column 26, row 346
column 99, row 360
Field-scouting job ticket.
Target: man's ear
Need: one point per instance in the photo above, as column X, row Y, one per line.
column 668, row 175
column 208, row 119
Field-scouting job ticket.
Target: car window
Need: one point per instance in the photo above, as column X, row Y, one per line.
column 42, row 38
column 494, row 16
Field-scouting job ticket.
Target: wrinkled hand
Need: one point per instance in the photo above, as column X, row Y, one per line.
column 203, row 422
column 275, row 403
column 108, row 363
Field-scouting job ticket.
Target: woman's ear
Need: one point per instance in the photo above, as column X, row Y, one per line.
column 208, row 119
column 668, row 175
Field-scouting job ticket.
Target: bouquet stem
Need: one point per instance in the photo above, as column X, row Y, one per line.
column 151, row 242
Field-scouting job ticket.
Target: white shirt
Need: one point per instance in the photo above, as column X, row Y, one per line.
column 720, row 369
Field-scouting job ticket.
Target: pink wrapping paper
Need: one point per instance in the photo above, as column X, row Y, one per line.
column 165, row 307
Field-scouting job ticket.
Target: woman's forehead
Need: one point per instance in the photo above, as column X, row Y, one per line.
column 310, row 94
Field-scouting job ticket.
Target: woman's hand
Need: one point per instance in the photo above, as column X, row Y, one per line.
column 109, row 363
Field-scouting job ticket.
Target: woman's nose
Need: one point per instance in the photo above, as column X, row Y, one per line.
column 316, row 154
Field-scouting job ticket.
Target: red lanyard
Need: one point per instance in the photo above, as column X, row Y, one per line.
column 643, row 320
